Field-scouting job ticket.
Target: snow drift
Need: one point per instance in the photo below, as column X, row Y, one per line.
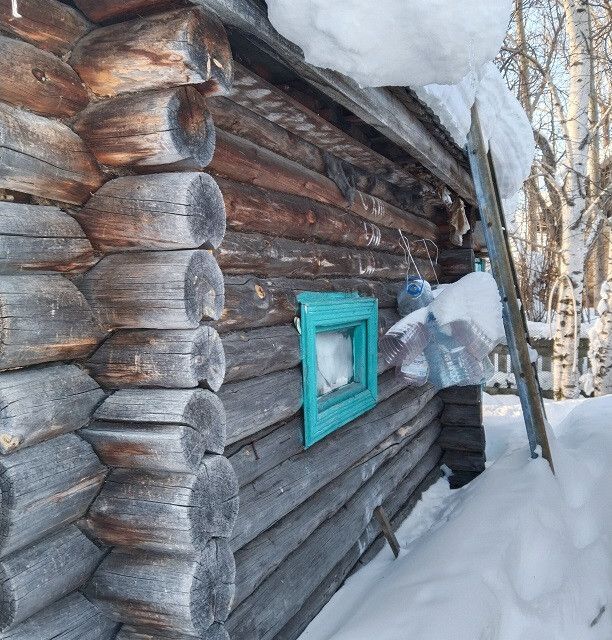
column 517, row 554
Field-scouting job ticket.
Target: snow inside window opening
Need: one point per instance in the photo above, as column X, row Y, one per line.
column 335, row 367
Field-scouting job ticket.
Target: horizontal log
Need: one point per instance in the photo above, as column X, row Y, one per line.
column 252, row 302
column 169, row 129
column 169, row 513
column 266, row 256
column 462, row 395
column 135, row 588
column 43, row 573
column 105, row 10
column 160, row 211
column 44, row 488
column 158, row 430
column 464, row 460
column 41, row 238
column 254, row 93
column 177, row 359
column 47, row 85
column 244, row 123
column 41, row 403
column 252, row 405
column 260, row 557
column 254, row 353
column 71, row 618
column 44, row 158
column 287, row 485
column 456, row 263
column 308, row 565
column 305, row 219
column 241, row 160
column 180, row 47
column 267, row 450
column 155, row 289
column 214, row 632
column 352, row 561
column 463, row 439
column 44, row 318
column 49, row 24
column 462, row 415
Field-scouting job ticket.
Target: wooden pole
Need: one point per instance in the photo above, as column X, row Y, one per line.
column 492, row 216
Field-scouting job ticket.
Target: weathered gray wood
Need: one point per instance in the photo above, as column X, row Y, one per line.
column 44, row 158
column 155, row 289
column 41, row 238
column 169, row 129
column 214, row 632
column 464, row 460
column 184, row 46
column 252, row 405
column 179, row 358
column 264, row 452
column 307, row 567
column 463, row 439
column 260, row 557
column 46, row 85
column 254, row 353
column 175, row 513
column 71, row 618
column 252, row 302
column 49, row 24
column 158, row 430
column 375, row 106
column 43, row 573
column 44, row 318
column 244, row 253
column 166, row 593
column 45, row 487
column 41, row 403
column 456, row 263
column 462, row 395
column 353, row 559
column 462, row 415
column 160, row 211
column 279, row 491
column 387, row 530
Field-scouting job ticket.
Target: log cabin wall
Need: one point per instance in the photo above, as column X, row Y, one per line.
column 126, row 153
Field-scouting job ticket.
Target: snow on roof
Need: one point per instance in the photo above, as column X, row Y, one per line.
column 439, row 48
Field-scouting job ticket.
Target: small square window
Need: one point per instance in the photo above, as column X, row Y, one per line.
column 339, row 343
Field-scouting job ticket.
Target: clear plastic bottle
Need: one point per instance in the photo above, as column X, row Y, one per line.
column 415, row 294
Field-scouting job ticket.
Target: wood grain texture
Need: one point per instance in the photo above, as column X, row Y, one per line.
column 308, row 565
column 252, row 405
column 260, row 557
column 134, row 588
column 169, row 129
column 216, row 631
column 243, row 161
column 167, row 513
column 44, row 488
column 461, row 415
column 49, row 24
column 180, row 47
column 44, row 318
column 43, row 573
column 176, row 359
column 133, row 415
column 44, row 158
column 462, row 395
column 41, row 238
column 301, row 218
column 271, row 257
column 155, row 289
column 46, row 84
column 463, row 439
column 287, row 485
column 160, row 211
column 103, row 10
column 252, row 302
column 40, row 403
column 71, row 618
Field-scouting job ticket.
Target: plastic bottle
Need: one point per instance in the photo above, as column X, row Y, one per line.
column 415, row 294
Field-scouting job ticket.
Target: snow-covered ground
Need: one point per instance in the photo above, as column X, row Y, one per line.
column 516, row 555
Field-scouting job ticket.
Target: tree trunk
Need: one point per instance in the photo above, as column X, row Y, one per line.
column 600, row 347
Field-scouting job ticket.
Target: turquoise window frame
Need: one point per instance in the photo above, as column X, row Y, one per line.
column 323, row 312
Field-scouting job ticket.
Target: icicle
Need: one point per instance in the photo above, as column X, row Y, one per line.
column 15, row 9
